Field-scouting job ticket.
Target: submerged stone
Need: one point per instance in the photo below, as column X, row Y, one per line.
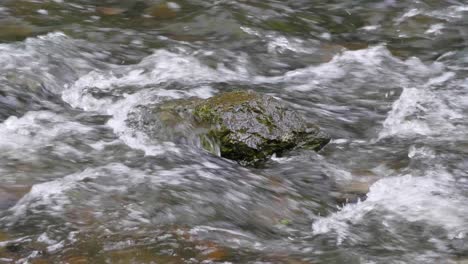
column 242, row 125
column 15, row 30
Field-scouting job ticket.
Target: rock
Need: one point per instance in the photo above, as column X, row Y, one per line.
column 15, row 30
column 242, row 125
column 250, row 127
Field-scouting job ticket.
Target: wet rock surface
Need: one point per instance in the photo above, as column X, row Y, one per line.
column 250, row 127
column 241, row 125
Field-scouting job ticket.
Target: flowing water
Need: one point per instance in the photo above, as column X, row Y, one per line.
column 387, row 79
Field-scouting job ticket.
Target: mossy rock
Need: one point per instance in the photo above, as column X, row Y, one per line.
column 250, row 127
column 241, row 125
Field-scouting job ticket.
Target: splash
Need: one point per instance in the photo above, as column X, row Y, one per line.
column 36, row 129
column 144, row 83
column 430, row 198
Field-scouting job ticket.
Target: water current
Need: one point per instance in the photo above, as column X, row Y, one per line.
column 387, row 79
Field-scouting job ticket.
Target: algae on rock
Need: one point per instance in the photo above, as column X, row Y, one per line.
column 241, row 125
column 250, row 127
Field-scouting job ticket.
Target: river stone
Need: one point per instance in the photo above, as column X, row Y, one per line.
column 250, row 127
column 244, row 126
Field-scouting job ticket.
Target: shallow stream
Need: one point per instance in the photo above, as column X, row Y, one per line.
column 387, row 79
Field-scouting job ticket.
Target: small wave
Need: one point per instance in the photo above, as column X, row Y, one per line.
column 41, row 60
column 431, row 199
column 34, row 130
column 144, row 83
column 420, row 112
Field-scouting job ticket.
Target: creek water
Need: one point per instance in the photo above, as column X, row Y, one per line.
column 388, row 80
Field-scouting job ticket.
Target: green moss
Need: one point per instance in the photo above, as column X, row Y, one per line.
column 227, row 100
column 242, row 153
column 213, row 117
column 246, row 155
column 206, row 113
column 267, row 121
column 209, row 110
column 243, row 130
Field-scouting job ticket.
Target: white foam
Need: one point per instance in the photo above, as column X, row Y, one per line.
column 357, row 66
column 174, row 6
column 421, row 152
column 43, row 12
column 50, row 194
column 200, row 229
column 408, row 14
column 55, row 197
column 55, row 247
column 451, row 13
column 420, row 112
column 278, row 43
column 281, row 44
column 446, row 76
column 396, row 122
column 52, row 197
column 35, row 60
column 166, row 67
column 371, row 27
column 161, row 67
column 430, row 198
column 44, row 238
column 35, row 129
column 137, row 139
column 435, row 29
